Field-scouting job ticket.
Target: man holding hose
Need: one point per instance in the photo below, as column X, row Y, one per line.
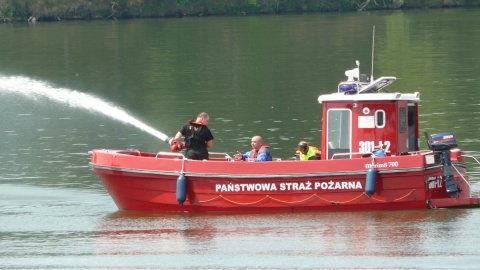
column 198, row 138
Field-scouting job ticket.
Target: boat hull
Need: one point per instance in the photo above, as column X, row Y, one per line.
column 148, row 182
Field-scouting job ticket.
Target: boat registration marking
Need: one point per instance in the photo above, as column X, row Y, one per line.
column 434, row 182
column 370, row 146
column 389, row 164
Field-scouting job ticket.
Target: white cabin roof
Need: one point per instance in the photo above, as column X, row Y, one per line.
column 363, row 89
column 369, row 96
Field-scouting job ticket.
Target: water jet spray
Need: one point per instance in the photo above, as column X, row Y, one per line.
column 35, row 89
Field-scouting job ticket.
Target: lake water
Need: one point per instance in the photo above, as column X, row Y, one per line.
column 70, row 87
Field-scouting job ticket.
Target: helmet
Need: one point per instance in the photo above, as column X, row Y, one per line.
column 303, row 146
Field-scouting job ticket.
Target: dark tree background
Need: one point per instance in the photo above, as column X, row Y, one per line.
column 47, row 10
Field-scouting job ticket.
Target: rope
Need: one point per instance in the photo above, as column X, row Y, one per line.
column 244, row 203
column 303, row 200
column 404, row 196
column 273, row 199
column 375, row 199
column 355, row 198
column 219, row 196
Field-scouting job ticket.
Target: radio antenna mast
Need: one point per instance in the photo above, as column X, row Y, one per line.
column 373, row 49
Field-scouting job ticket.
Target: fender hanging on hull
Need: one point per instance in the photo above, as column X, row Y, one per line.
column 181, row 189
column 370, row 181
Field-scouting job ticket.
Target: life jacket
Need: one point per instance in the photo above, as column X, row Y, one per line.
column 254, row 153
column 192, row 139
column 312, row 151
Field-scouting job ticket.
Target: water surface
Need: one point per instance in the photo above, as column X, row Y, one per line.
column 253, row 75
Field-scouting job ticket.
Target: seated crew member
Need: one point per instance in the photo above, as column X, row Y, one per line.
column 306, row 152
column 259, row 152
column 198, row 138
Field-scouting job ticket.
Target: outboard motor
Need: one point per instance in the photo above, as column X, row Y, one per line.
column 442, row 143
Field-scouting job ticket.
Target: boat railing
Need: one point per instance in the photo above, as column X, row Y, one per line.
column 169, row 154
column 223, row 154
column 460, row 174
column 369, row 154
column 424, row 152
column 474, row 158
column 131, row 152
column 360, row 154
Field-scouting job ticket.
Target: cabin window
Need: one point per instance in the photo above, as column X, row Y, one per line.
column 402, row 120
column 339, row 123
column 412, row 141
column 380, row 118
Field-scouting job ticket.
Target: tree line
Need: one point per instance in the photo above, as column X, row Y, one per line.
column 55, row 10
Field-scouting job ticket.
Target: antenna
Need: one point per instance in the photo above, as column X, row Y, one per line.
column 373, row 50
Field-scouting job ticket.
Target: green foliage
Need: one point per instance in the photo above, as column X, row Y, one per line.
column 12, row 10
column 470, row 3
column 21, row 10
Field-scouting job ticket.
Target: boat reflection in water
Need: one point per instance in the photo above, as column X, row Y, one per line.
column 137, row 233
column 179, row 238
column 370, row 160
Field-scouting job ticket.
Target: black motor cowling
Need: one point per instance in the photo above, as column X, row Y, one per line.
column 441, row 141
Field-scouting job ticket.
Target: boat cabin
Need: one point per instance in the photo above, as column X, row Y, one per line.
column 359, row 119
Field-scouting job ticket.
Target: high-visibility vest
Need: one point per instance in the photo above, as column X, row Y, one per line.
column 312, row 151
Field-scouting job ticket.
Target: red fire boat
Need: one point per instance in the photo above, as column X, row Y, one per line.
column 370, row 160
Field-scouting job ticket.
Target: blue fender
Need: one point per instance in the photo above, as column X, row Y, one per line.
column 181, row 189
column 370, row 181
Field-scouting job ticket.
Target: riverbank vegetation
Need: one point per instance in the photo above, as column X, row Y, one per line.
column 54, row 10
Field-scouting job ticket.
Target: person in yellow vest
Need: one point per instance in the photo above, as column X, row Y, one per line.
column 306, row 152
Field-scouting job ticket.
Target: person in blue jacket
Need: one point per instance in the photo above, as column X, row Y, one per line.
column 259, row 152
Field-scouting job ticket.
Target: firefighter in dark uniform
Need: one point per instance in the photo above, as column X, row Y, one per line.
column 198, row 138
